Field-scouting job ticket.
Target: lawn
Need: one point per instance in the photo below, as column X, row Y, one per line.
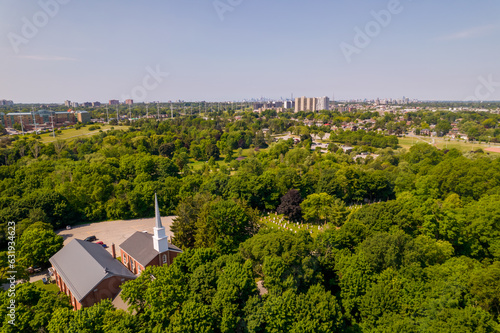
column 198, row 165
column 48, row 286
column 442, row 143
column 75, row 133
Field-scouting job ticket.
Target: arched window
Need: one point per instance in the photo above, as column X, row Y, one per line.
column 164, row 258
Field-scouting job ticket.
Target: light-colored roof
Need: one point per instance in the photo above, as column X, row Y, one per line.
column 83, row 265
column 140, row 247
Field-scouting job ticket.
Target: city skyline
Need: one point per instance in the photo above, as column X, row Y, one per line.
column 54, row 50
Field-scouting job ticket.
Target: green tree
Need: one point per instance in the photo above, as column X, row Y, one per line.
column 38, row 243
column 192, row 318
column 224, row 224
column 34, row 308
column 184, row 225
column 323, row 208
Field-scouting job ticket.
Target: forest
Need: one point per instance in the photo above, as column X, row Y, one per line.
column 409, row 240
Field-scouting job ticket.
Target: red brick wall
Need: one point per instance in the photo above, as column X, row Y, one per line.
column 157, row 261
column 108, row 288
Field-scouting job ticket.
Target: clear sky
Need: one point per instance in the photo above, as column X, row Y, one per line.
column 99, row 50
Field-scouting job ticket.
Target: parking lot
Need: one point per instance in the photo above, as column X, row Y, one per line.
column 115, row 231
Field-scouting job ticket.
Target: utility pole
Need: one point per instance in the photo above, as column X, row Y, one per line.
column 52, row 118
column 34, row 118
column 107, row 115
column 158, row 110
column 147, row 111
column 171, row 111
column 22, row 127
column 117, row 115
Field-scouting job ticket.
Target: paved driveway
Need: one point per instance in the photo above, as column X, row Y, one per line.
column 115, row 231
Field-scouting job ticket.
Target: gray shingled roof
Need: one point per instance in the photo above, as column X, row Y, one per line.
column 140, row 247
column 83, row 265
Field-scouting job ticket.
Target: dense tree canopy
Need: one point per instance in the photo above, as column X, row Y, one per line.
column 407, row 241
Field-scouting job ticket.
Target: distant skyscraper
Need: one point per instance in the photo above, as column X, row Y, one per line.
column 6, row 102
column 114, row 102
column 129, row 101
column 67, row 103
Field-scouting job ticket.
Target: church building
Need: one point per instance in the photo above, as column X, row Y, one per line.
column 143, row 249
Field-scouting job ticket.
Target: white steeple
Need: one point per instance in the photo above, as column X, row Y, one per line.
column 160, row 240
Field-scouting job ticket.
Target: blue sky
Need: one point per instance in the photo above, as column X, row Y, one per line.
column 100, row 50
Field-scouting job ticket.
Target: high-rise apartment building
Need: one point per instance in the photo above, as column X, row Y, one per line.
column 323, row 103
column 305, row 104
column 6, row 102
column 288, row 104
column 114, row 102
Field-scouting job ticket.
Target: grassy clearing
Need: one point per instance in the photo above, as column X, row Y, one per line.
column 442, row 143
column 49, row 286
column 73, row 133
column 273, row 221
column 198, row 165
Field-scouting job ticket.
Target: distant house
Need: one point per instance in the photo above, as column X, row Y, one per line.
column 143, row 249
column 87, row 273
column 425, row 131
column 347, row 149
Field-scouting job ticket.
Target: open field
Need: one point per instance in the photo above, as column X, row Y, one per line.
column 442, row 143
column 75, row 133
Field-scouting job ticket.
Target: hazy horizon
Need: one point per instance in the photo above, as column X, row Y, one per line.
column 223, row 50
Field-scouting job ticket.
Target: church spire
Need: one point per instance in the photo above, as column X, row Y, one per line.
column 160, row 240
column 157, row 214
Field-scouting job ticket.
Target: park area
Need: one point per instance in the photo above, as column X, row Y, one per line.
column 73, row 133
column 446, row 143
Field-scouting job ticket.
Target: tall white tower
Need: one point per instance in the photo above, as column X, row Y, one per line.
column 160, row 240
